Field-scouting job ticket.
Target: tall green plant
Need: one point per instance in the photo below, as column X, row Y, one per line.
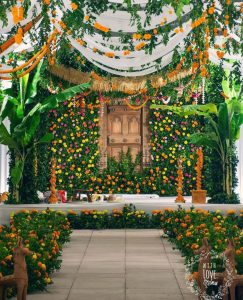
column 24, row 112
column 221, row 132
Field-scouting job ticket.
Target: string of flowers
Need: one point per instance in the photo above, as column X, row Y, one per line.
column 199, row 167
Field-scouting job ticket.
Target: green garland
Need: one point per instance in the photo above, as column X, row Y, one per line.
column 216, row 22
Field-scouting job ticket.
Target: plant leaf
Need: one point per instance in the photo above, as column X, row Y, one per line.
column 17, row 172
column 23, row 83
column 5, row 137
column 205, row 139
column 223, row 120
column 47, row 138
column 32, row 87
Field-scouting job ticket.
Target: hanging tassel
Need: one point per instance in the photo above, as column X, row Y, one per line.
column 15, row 14
column 18, row 36
column 20, row 13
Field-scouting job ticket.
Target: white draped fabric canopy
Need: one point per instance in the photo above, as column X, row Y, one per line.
column 135, row 63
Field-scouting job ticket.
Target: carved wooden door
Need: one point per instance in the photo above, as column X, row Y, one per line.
column 124, row 131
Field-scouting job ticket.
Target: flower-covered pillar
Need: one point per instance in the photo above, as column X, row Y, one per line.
column 103, row 132
column 145, row 136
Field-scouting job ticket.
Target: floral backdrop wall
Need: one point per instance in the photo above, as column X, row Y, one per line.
column 75, row 125
column 75, row 146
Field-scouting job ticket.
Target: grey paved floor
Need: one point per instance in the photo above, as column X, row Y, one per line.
column 118, row 265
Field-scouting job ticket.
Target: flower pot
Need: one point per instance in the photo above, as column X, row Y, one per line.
column 199, row 196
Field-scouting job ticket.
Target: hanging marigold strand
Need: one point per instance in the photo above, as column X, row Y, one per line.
column 180, row 198
column 26, row 28
column 136, row 107
column 199, row 167
column 39, row 53
column 29, row 69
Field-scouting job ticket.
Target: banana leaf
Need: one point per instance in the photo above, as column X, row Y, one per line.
column 17, row 172
column 205, row 139
column 223, row 120
column 47, row 138
column 32, row 86
column 5, row 137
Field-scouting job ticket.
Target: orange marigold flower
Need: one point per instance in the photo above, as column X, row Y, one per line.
column 147, row 36
column 230, row 212
column 220, row 54
column 74, row 6
column 211, row 10
column 86, row 18
column 101, row 27
column 110, row 54
column 136, row 36
column 225, row 32
column 126, row 52
column 139, row 46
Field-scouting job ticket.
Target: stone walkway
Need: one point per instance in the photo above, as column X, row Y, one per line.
column 118, row 265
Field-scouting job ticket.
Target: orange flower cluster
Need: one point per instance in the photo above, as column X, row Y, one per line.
column 139, row 46
column 17, row 13
column 74, row 6
column 147, row 36
column 126, row 52
column 101, row 27
column 199, row 21
column 110, row 54
column 179, row 29
column 81, row 42
column 86, row 18
column 96, row 76
column 199, row 167
column 136, row 36
column 62, row 24
column 19, row 36
column 220, row 54
column 177, row 69
column 211, row 10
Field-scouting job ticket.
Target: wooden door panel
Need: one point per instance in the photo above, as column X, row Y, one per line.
column 124, row 131
column 133, row 125
column 114, row 139
column 115, row 125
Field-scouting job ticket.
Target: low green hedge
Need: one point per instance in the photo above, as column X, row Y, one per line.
column 128, row 217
